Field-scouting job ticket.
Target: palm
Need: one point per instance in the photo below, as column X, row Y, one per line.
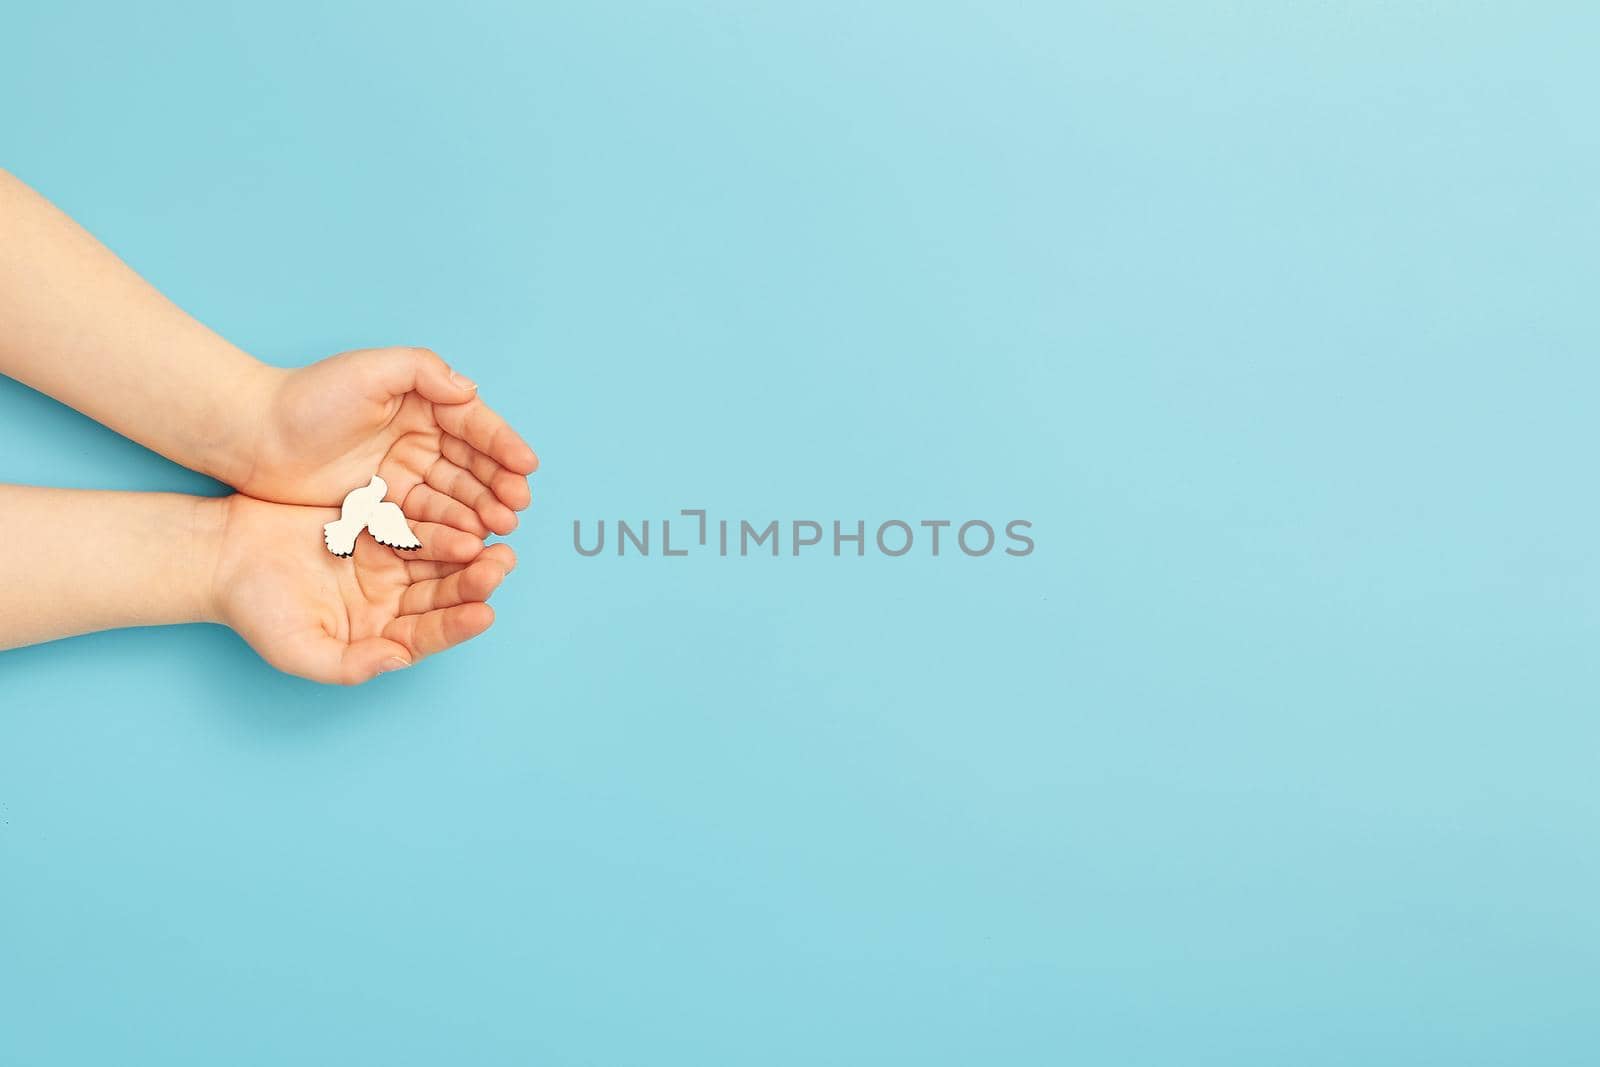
column 310, row 613
column 397, row 413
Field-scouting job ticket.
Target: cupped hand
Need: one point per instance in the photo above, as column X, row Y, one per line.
column 400, row 413
column 344, row 621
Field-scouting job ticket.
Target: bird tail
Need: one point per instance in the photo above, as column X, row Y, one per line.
column 340, row 536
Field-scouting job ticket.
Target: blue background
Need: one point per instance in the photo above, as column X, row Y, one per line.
column 1277, row 320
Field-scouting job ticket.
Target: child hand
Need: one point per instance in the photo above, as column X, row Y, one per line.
column 345, row 621
column 398, row 412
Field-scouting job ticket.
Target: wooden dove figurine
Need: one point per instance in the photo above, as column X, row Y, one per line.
column 365, row 509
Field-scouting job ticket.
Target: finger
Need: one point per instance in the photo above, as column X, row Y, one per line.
column 398, row 371
column 452, row 480
column 435, row 631
column 512, row 489
column 425, row 570
column 470, row 585
column 481, row 428
column 444, row 544
column 321, row 658
column 426, row 504
column 501, row 554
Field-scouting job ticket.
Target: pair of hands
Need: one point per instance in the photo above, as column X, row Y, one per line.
column 78, row 324
column 456, row 468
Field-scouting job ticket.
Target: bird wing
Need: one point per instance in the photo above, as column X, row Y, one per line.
column 388, row 526
column 340, row 536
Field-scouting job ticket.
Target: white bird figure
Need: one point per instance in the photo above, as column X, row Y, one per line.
column 365, row 509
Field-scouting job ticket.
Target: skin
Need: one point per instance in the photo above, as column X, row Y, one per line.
column 324, row 430
column 344, row 621
column 78, row 324
column 245, row 564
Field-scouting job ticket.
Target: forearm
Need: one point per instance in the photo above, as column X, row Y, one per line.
column 79, row 324
column 75, row 561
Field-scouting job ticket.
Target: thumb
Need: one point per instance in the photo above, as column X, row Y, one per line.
column 321, row 658
column 366, row 659
column 420, row 370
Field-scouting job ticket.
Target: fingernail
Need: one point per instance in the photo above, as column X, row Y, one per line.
column 393, row 663
column 462, row 381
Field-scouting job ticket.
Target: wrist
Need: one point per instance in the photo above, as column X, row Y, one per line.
column 205, row 581
column 60, row 578
column 231, row 454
